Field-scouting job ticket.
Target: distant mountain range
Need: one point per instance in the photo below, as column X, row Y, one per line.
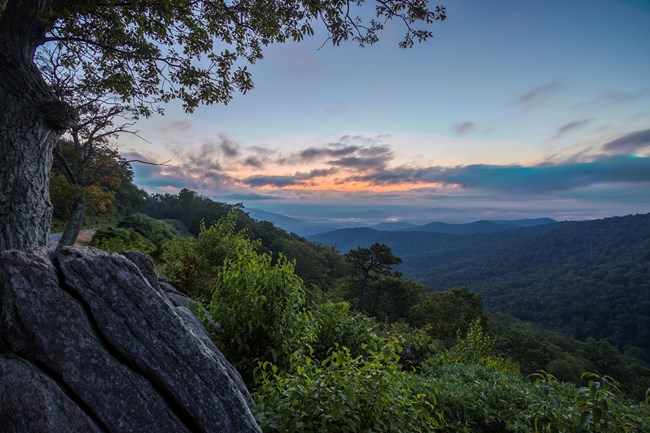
column 588, row 278
column 483, row 226
column 352, row 219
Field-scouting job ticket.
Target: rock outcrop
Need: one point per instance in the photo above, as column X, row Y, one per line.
column 93, row 342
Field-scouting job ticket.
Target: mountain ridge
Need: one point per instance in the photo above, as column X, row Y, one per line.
column 344, row 220
column 588, row 278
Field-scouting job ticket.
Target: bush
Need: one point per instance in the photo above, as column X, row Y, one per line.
column 346, row 394
column 478, row 398
column 192, row 264
column 417, row 344
column 338, row 327
column 156, row 231
column 135, row 232
column 477, row 348
column 260, row 310
column 117, row 240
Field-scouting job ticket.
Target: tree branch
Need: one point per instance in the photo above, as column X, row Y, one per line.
column 161, row 164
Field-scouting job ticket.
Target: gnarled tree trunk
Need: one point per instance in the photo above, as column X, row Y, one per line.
column 31, row 121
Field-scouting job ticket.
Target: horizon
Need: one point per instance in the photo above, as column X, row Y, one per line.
column 514, row 110
column 353, row 219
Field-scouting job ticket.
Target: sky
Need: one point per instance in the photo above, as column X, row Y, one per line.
column 515, row 109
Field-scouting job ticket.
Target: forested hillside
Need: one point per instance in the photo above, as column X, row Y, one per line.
column 318, row 264
column 587, row 278
column 372, row 350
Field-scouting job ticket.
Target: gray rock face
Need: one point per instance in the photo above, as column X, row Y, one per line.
column 89, row 342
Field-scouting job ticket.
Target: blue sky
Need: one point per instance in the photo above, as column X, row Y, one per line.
column 514, row 109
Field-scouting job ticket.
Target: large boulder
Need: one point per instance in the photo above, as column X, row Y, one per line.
column 90, row 342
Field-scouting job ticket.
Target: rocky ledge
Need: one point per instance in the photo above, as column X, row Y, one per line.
column 94, row 342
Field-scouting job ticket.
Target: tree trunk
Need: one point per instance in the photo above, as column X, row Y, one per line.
column 73, row 226
column 31, row 121
column 25, row 162
column 76, row 218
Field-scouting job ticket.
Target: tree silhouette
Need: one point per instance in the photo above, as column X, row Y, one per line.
column 370, row 264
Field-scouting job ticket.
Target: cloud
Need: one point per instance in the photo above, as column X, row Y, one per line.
column 276, row 181
column 520, row 179
column 204, row 157
column 317, row 173
column 177, row 125
column 195, row 170
column 253, row 161
column 570, row 127
column 366, row 158
column 629, row 143
column 614, row 97
column 252, row 197
column 261, row 150
column 403, row 174
column 538, row 94
column 312, row 153
column 376, row 151
column 229, row 148
column 282, row 181
column 464, row 127
column 209, row 155
column 348, row 151
column 366, row 168
column 364, row 164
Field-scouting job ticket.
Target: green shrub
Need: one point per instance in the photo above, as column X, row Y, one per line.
column 135, row 232
column 338, row 327
column 260, row 310
column 156, row 231
column 479, row 399
column 192, row 264
column 344, row 393
column 477, row 348
column 603, row 408
column 117, row 240
column 417, row 343
column 551, row 407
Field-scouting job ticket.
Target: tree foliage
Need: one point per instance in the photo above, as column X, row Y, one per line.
column 371, row 265
column 193, row 263
column 151, row 52
column 444, row 314
column 104, row 173
column 361, row 374
column 260, row 310
column 315, row 264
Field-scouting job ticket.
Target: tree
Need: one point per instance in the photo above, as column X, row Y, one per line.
column 85, row 178
column 371, row 264
column 101, row 117
column 145, row 53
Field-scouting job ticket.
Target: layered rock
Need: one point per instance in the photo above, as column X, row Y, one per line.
column 91, row 342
